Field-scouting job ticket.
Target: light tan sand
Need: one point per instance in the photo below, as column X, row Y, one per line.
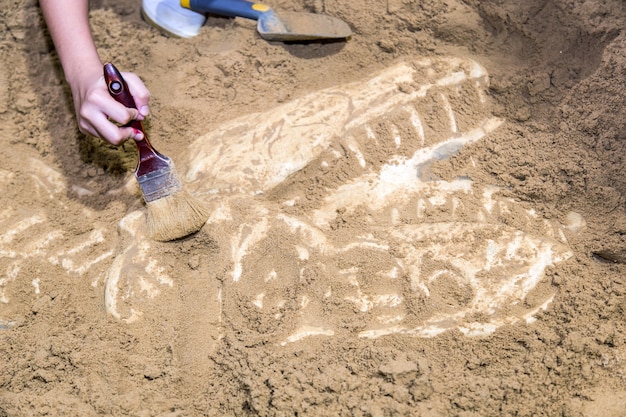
column 557, row 76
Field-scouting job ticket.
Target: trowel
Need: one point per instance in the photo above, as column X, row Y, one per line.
column 273, row 25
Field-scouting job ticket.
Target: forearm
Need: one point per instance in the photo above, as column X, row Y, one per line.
column 68, row 23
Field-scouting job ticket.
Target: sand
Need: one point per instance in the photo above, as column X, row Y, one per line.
column 193, row 335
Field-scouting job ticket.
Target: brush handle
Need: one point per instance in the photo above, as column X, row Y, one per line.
column 149, row 159
column 232, row 8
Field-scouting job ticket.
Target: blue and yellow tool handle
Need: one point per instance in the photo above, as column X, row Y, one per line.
column 232, row 8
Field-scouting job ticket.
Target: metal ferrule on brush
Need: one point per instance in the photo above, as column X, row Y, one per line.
column 158, row 184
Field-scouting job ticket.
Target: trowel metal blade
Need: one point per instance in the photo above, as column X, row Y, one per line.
column 298, row 26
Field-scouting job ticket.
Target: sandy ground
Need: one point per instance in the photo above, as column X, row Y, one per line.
column 321, row 285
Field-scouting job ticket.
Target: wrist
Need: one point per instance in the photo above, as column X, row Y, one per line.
column 82, row 73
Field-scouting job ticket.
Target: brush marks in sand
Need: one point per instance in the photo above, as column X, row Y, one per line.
column 335, row 225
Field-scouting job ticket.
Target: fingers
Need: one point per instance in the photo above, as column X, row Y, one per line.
column 140, row 93
column 102, row 116
column 100, row 126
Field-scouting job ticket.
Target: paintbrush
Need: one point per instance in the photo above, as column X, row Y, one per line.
column 172, row 212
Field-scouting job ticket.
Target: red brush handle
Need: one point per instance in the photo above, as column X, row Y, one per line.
column 149, row 159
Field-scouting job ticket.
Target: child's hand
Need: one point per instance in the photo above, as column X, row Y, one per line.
column 102, row 116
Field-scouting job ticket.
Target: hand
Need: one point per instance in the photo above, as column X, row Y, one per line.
column 100, row 115
column 97, row 112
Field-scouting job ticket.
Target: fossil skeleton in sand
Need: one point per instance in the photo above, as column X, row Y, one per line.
column 428, row 255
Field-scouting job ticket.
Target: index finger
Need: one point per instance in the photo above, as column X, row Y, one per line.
column 139, row 91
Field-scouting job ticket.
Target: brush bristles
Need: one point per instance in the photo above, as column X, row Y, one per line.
column 175, row 216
